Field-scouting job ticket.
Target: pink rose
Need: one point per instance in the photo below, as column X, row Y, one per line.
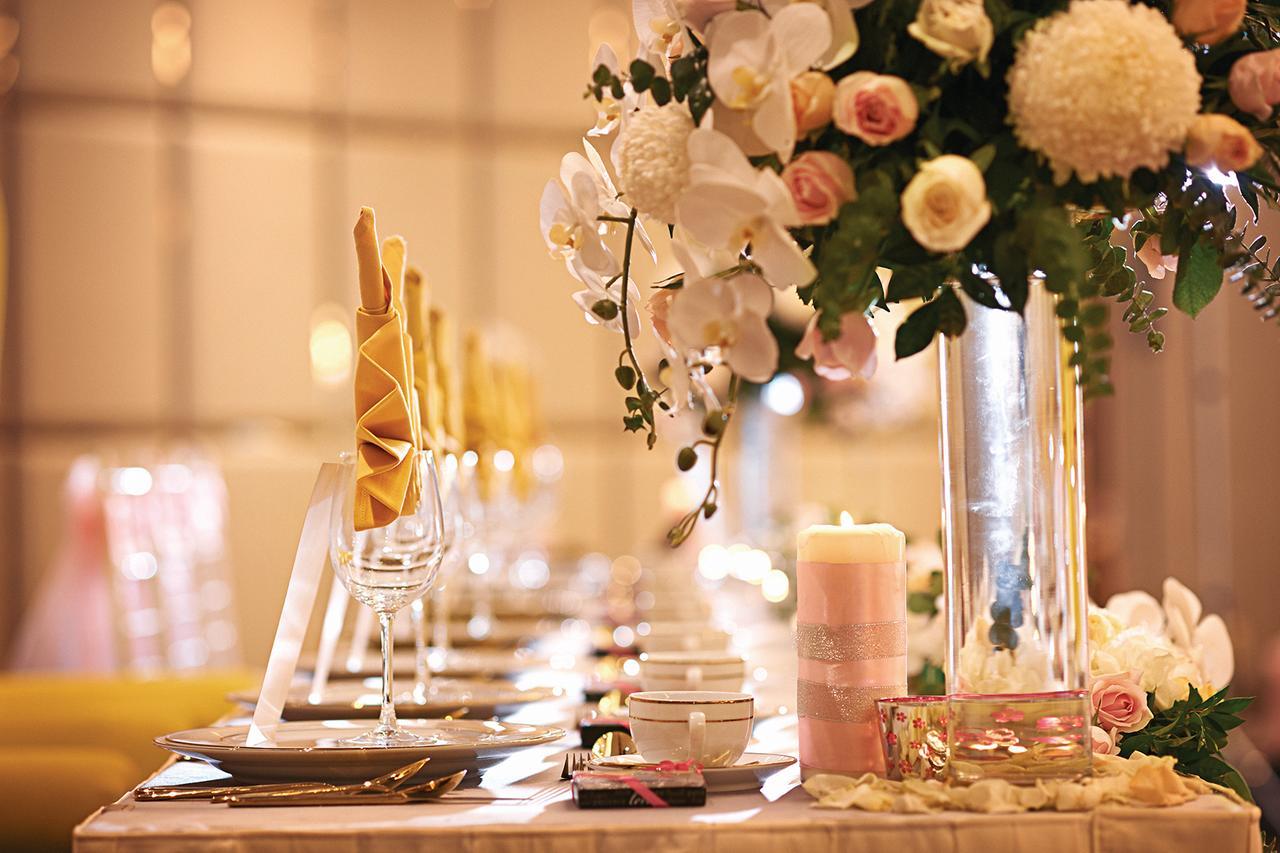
column 876, row 108
column 1104, row 743
column 1208, row 21
column 1254, row 83
column 853, row 352
column 1153, row 256
column 819, row 182
column 1119, row 704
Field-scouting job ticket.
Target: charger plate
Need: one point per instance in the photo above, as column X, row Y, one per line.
column 748, row 773
column 351, row 699
column 309, row 751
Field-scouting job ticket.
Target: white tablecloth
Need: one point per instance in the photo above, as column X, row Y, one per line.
column 778, row 819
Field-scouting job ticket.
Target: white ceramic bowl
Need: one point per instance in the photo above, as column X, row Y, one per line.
column 720, row 671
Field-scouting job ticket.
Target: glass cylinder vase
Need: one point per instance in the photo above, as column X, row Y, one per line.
column 1013, row 512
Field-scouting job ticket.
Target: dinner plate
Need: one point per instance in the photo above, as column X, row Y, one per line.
column 310, row 751
column 748, row 773
column 353, row 699
column 458, row 663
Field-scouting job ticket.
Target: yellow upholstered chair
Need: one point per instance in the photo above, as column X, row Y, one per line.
column 70, row 744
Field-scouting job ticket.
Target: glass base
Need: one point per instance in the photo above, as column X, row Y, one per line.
column 381, row 737
column 1019, row 737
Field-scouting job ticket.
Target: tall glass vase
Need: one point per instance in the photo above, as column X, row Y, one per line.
column 1013, row 510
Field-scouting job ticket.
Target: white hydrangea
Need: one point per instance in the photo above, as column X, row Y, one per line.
column 653, row 159
column 1102, row 89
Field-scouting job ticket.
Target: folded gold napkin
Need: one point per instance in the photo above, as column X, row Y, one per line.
column 387, row 430
column 480, row 408
column 444, row 352
column 426, row 382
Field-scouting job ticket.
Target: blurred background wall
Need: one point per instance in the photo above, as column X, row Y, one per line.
column 181, row 179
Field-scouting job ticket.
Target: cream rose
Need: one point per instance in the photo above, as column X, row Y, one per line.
column 1208, row 21
column 1222, row 142
column 876, row 108
column 946, row 204
column 812, row 94
column 820, row 182
column 957, row 30
column 851, row 354
column 1103, row 742
column 1254, row 83
column 1119, row 703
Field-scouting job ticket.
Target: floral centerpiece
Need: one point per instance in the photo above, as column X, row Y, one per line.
column 1160, row 673
column 877, row 153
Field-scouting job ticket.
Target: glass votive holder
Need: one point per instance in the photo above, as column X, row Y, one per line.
column 913, row 736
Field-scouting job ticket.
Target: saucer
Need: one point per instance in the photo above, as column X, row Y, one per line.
column 748, row 773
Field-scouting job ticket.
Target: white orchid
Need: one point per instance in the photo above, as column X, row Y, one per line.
column 731, row 205
column 570, row 213
column 1207, row 640
column 725, row 320
column 610, row 112
column 600, row 289
column 659, row 26
column 752, row 59
column 844, row 30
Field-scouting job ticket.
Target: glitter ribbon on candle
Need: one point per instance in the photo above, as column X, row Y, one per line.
column 838, row 703
column 842, row 643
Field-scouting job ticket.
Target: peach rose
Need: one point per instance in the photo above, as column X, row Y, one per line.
column 1254, row 83
column 1208, row 21
column 659, row 306
column 1103, row 742
column 1222, row 142
column 820, row 182
column 876, row 108
column 852, row 353
column 811, row 96
column 1119, row 703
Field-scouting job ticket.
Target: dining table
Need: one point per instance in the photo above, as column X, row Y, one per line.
column 522, row 805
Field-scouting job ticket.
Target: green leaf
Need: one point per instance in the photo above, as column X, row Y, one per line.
column 661, row 91
column 983, row 157
column 641, row 75
column 1199, row 279
column 917, row 330
column 602, row 76
column 951, row 316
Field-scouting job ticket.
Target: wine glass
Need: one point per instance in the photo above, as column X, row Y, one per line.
column 450, row 488
column 386, row 568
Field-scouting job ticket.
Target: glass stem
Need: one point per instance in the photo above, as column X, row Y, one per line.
column 387, row 718
column 421, row 663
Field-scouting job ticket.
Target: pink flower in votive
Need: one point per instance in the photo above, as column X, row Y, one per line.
column 1254, row 83
column 1119, row 703
column 900, row 716
column 1008, row 715
column 914, row 746
column 820, row 182
column 851, row 354
column 1103, row 742
column 891, row 739
column 917, row 723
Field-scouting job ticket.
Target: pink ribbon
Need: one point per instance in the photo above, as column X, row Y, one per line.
column 642, row 790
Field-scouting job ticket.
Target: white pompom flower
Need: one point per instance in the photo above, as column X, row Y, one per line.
column 653, row 159
column 1064, row 101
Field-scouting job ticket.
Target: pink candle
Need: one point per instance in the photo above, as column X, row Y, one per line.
column 851, row 610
